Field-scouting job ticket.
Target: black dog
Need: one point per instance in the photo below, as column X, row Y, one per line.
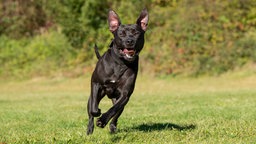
column 116, row 71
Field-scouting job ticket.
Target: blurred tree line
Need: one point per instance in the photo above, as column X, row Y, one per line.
column 40, row 37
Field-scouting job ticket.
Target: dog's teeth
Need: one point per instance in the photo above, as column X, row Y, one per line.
column 128, row 56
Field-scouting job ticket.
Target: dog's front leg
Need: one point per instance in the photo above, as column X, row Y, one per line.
column 92, row 106
column 104, row 119
column 94, row 100
column 90, row 126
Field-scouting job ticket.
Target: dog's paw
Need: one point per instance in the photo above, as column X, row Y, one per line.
column 90, row 130
column 100, row 123
column 112, row 128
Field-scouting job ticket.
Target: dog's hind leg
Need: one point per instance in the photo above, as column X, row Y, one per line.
column 113, row 124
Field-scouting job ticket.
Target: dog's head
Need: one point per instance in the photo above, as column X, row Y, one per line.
column 128, row 39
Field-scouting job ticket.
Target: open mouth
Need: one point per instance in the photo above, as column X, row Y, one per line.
column 129, row 53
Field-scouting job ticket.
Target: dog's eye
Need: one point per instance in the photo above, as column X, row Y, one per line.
column 134, row 32
column 122, row 34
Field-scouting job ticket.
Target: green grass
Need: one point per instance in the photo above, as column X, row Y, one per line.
column 171, row 110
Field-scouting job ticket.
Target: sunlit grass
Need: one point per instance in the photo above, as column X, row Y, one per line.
column 167, row 110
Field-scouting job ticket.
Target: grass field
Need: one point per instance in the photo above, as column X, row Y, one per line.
column 165, row 110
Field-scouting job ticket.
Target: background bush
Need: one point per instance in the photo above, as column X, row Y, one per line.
column 35, row 56
column 184, row 37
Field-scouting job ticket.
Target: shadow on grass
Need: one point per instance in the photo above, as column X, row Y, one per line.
column 150, row 127
column 163, row 126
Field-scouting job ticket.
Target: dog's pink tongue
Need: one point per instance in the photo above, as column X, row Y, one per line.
column 129, row 52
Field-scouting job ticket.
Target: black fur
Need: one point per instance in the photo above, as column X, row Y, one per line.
column 116, row 70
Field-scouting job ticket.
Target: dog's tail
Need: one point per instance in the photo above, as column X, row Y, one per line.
column 97, row 51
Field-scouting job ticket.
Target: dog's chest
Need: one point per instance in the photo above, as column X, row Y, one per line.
column 119, row 70
column 114, row 80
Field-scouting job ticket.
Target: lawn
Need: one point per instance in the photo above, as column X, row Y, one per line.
column 161, row 110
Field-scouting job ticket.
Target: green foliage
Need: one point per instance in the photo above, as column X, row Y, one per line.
column 21, row 18
column 68, row 14
column 199, row 37
column 184, row 37
column 35, row 56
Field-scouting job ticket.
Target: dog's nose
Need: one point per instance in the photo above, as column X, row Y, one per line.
column 130, row 42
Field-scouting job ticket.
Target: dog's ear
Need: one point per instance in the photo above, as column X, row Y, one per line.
column 113, row 21
column 142, row 21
